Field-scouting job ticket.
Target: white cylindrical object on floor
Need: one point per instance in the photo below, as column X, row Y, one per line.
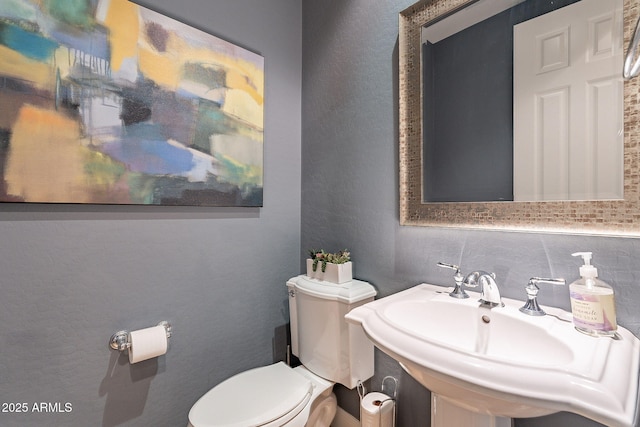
column 376, row 410
column 147, row 343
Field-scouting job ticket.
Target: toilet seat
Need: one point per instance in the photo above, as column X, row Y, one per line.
column 258, row 397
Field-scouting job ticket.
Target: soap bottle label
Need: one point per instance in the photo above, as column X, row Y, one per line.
column 594, row 311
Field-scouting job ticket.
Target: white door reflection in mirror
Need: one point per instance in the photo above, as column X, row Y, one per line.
column 568, row 104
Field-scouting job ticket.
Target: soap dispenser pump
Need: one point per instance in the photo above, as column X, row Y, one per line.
column 592, row 301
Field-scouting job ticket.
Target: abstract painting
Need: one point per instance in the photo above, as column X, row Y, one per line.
column 107, row 102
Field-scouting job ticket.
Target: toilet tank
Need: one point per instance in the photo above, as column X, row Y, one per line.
column 320, row 336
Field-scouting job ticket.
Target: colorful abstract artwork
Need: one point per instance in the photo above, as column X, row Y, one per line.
column 107, row 102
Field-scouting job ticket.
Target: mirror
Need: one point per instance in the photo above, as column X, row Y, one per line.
column 610, row 217
column 539, row 90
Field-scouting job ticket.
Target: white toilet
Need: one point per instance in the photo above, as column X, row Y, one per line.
column 331, row 351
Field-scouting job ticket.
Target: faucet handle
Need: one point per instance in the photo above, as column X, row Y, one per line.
column 457, row 292
column 531, row 307
column 535, row 280
column 449, row 266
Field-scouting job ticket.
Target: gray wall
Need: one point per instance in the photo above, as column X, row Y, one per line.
column 74, row 275
column 350, row 190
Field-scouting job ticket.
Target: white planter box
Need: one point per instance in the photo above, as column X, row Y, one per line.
column 334, row 273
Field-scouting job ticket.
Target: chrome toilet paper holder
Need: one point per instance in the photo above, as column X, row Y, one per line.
column 388, row 392
column 362, row 390
column 120, row 340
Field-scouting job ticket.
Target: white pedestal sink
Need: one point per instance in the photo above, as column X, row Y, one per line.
column 500, row 362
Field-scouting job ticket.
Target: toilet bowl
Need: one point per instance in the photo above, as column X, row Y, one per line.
column 331, row 351
column 269, row 396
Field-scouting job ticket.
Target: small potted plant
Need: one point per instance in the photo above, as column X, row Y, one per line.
column 331, row 267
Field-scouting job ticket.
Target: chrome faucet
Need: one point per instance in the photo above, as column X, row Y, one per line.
column 490, row 292
column 531, row 307
column 457, row 292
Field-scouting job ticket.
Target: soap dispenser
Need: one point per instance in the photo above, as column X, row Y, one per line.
column 592, row 301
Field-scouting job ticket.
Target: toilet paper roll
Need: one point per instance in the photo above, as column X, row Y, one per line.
column 147, row 343
column 376, row 410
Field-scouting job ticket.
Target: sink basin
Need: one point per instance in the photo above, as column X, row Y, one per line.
column 497, row 334
column 502, row 362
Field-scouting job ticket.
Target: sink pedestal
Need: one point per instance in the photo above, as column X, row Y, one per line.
column 445, row 414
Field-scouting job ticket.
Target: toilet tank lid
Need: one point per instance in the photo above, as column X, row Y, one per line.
column 348, row 292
